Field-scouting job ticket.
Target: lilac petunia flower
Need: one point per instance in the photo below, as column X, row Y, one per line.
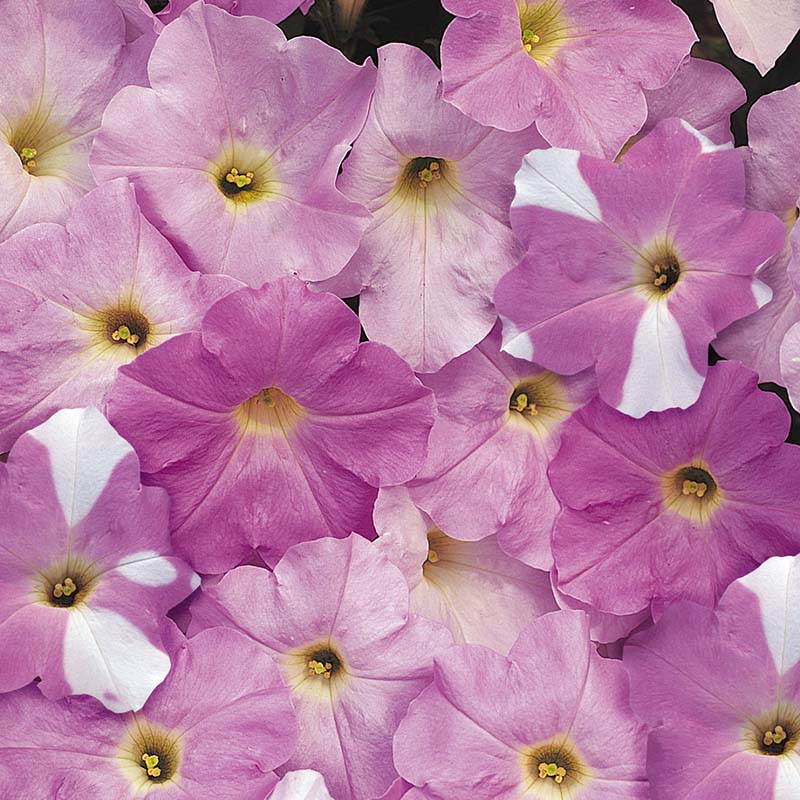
column 77, row 302
column 439, row 186
column 238, row 144
column 216, row 729
column 549, row 722
column 335, row 615
column 678, row 504
column 495, row 433
column 62, row 63
column 273, row 419
column 661, row 256
column 772, row 166
column 577, row 68
column 758, row 32
column 87, row 567
column 481, row 594
column 722, row 688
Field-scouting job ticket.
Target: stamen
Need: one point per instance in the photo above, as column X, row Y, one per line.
column 151, row 764
column 522, row 405
column 428, row 174
column 316, row 668
column 65, row 589
column 776, row 736
column 433, row 556
column 235, row 177
column 529, row 39
column 693, row 487
column 124, row 334
column 27, row 156
column 552, row 770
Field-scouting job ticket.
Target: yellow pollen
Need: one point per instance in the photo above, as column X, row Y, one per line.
column 529, row 39
column 433, row 556
column 776, row 736
column 124, row 334
column 522, row 405
column 151, row 762
column 234, row 176
column 695, row 488
column 316, row 668
column 430, row 173
column 28, row 155
column 65, row 589
column 552, row 770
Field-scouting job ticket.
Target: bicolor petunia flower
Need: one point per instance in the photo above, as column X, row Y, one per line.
column 676, row 505
column 483, row 595
column 549, row 722
column 773, row 184
column 721, row 689
column 304, row 784
column 87, row 567
column 335, row 613
column 62, row 64
column 439, row 186
column 662, row 255
column 274, row 419
column 495, row 433
column 77, row 302
column 758, row 32
column 703, row 93
column 578, row 68
column 216, row 729
column 239, row 142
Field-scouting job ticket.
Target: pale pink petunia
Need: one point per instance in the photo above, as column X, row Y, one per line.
column 759, row 32
column 77, row 302
column 87, row 567
column 676, row 505
column 335, row 613
column 662, row 255
column 549, row 722
column 578, row 68
column 216, row 729
column 722, row 690
column 439, row 186
column 238, row 145
column 274, row 419
column 483, row 595
column 495, row 433
column 772, row 166
column 62, row 63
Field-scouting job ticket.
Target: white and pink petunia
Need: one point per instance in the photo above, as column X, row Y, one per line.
column 632, row 268
column 88, row 573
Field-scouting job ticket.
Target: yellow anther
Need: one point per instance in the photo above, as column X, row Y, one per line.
column 430, row 173
column 317, row 668
column 695, row 488
column 529, row 39
column 151, row 764
column 125, row 334
column 433, row 556
column 69, row 587
column 660, row 280
column 234, row 176
column 58, row 590
column 552, row 770
column 27, row 156
column 520, row 402
column 778, row 736
column 532, row 410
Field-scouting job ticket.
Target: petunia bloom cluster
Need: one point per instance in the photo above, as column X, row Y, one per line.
column 397, row 403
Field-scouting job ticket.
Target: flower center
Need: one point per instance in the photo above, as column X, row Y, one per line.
column 554, row 767
column 127, row 327
column 542, row 28
column 773, row 742
column 323, row 663
column 150, row 753
column 659, row 269
column 424, row 172
column 437, row 548
column 776, row 733
column 666, row 271
column 28, row 157
column 539, row 403
column 522, row 404
column 270, row 411
column 65, row 592
column 66, row 584
column 235, row 182
column 692, row 492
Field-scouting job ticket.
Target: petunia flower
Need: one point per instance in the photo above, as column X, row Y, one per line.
column 549, row 722
column 481, row 594
column 496, row 431
column 439, row 186
column 773, row 184
column 662, row 255
column 722, row 689
column 87, row 567
column 216, row 729
column 758, row 32
column 676, row 505
column 273, row 419
column 62, row 64
column 77, row 302
column 578, row 68
column 238, row 144
column 335, row 615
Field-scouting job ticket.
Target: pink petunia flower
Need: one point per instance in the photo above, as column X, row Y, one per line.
column 62, row 63
column 216, row 729
column 578, row 68
column 721, row 688
column 633, row 268
column 238, row 144
column 87, row 568
column 549, row 722
column 335, row 615
column 495, row 433
column 481, row 594
column 676, row 505
column 772, row 166
column 77, row 302
column 758, row 32
column 273, row 419
column 439, row 186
